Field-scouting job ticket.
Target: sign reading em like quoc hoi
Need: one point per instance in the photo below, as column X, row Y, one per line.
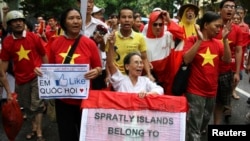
column 115, row 116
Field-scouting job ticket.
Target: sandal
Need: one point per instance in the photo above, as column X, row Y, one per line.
column 235, row 96
column 31, row 135
column 40, row 138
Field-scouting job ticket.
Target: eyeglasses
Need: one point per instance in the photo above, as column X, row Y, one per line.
column 157, row 24
column 229, row 6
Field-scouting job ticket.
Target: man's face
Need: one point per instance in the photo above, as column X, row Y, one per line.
column 17, row 26
column 52, row 22
column 90, row 6
column 228, row 10
column 98, row 15
column 157, row 27
column 241, row 12
column 126, row 19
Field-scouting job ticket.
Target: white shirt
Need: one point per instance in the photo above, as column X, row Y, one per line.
column 159, row 48
column 89, row 30
column 122, row 83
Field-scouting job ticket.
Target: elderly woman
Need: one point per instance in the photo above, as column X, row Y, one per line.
column 133, row 81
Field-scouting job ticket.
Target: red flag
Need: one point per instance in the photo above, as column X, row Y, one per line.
column 128, row 101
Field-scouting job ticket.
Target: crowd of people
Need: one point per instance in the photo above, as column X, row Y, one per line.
column 127, row 55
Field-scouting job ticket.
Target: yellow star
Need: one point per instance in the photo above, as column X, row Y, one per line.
column 72, row 61
column 23, row 54
column 208, row 57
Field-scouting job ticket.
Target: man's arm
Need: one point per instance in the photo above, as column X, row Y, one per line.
column 3, row 78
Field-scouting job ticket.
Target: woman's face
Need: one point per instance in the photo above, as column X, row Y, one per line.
column 73, row 23
column 135, row 66
column 213, row 28
column 114, row 21
column 137, row 24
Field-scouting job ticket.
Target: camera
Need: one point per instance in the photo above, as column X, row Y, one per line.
column 101, row 30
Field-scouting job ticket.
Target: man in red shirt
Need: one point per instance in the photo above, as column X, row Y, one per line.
column 27, row 53
column 229, row 73
column 55, row 30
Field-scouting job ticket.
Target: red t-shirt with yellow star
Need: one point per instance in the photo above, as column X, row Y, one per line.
column 203, row 79
column 26, row 54
column 86, row 53
column 235, row 38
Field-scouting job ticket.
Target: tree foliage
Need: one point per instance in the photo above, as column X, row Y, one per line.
column 45, row 7
column 55, row 7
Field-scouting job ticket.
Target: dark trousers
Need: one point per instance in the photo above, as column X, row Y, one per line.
column 99, row 82
column 69, row 121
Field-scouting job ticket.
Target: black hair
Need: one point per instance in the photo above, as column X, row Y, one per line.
column 29, row 25
column 208, row 17
column 52, row 17
column 64, row 16
column 127, row 59
column 224, row 1
column 114, row 15
column 241, row 8
column 125, row 8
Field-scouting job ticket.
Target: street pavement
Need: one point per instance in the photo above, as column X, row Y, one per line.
column 240, row 108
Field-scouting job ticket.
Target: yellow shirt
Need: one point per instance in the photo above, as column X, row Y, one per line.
column 124, row 45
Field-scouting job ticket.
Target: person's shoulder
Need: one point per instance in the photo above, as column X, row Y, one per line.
column 87, row 40
column 235, row 27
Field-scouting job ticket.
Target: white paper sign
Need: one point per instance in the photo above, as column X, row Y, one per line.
column 63, row 81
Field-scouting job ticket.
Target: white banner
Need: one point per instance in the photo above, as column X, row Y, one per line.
column 124, row 125
column 63, row 81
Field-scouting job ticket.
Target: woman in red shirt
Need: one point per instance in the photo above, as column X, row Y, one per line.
column 203, row 53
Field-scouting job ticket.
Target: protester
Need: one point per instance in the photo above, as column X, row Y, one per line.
column 160, row 44
column 245, row 29
column 91, row 24
column 137, row 23
column 68, row 112
column 27, row 52
column 129, row 41
column 98, row 13
column 55, row 29
column 203, row 53
column 188, row 14
column 229, row 73
column 132, row 81
column 114, row 22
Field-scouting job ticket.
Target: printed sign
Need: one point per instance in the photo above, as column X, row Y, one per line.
column 118, row 116
column 63, row 81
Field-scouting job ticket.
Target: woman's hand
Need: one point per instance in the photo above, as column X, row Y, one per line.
column 38, row 71
column 93, row 73
column 142, row 94
column 198, row 32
